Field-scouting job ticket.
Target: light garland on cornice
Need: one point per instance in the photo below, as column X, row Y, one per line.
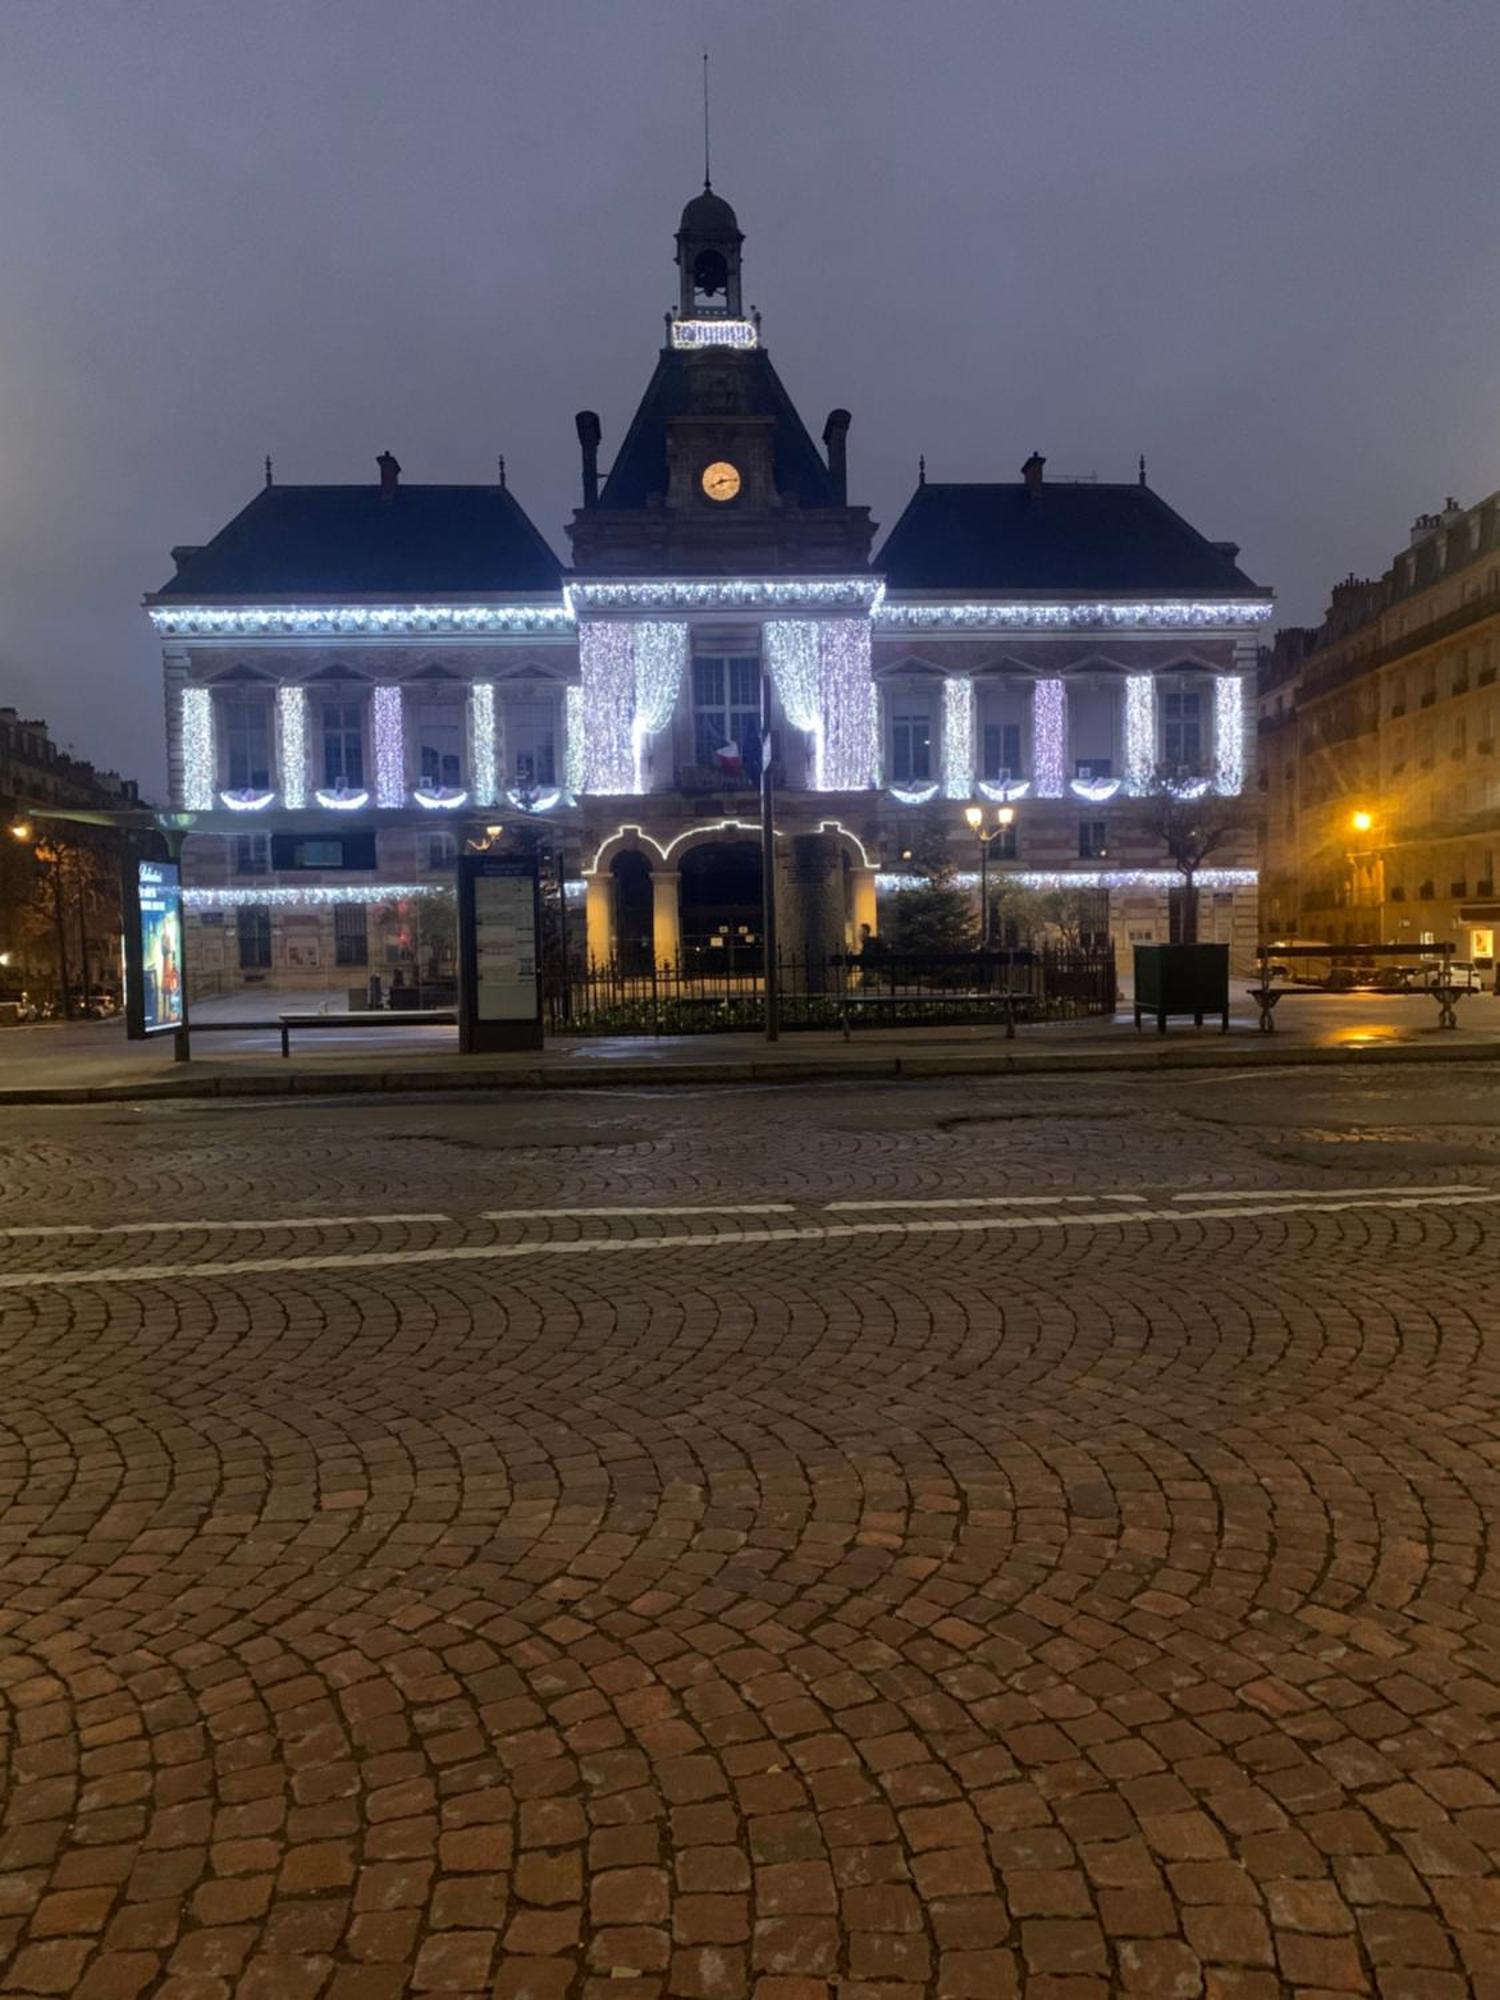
column 1140, row 733
column 482, row 754
column 659, row 651
column 1229, row 735
column 891, row 616
column 198, row 759
column 393, row 621
column 291, row 732
column 958, row 737
column 692, row 333
column 849, row 593
column 314, row 896
column 1082, row 878
column 1049, row 738
column 388, row 727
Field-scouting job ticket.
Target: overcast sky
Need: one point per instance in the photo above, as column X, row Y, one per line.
column 1255, row 239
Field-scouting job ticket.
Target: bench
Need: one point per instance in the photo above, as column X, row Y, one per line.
column 1268, row 994
column 376, row 1017
column 1007, row 1001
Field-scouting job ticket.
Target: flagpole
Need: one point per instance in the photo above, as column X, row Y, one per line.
column 770, row 978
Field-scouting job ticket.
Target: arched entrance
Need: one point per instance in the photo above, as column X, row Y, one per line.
column 721, row 907
column 633, row 910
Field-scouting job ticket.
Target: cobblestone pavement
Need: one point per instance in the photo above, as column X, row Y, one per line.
column 922, row 1544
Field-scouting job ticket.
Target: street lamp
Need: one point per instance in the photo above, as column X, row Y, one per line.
column 1005, row 817
column 1361, row 821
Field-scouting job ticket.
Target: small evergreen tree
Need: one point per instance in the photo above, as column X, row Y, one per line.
column 938, row 917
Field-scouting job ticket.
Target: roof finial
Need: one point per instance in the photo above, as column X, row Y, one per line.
column 268, row 469
column 707, row 181
column 922, row 469
column 1143, row 468
column 502, row 471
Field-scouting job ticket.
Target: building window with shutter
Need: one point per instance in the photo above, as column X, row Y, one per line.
column 253, row 924
column 351, row 934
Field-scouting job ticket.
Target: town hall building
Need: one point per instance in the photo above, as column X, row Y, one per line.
column 363, row 681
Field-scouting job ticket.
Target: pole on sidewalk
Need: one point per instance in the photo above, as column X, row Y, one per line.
column 770, row 976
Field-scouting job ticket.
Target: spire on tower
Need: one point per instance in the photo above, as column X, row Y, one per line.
column 707, row 180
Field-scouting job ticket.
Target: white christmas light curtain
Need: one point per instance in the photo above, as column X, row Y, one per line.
column 573, row 749
column 958, row 737
column 606, row 662
column 660, row 650
column 820, row 669
column 845, row 693
column 1229, row 735
column 390, row 747
column 291, row 730
column 1049, row 739
column 482, row 756
column 198, row 758
column 1140, row 734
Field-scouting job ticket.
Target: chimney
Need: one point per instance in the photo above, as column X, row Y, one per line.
column 836, row 441
column 586, row 423
column 390, row 472
column 1031, row 471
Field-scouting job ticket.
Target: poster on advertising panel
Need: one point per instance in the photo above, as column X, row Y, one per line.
column 153, row 940
column 499, row 935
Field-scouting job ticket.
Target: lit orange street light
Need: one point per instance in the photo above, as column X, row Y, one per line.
column 1361, row 821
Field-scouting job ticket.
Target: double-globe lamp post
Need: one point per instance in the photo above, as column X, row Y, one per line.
column 1005, row 819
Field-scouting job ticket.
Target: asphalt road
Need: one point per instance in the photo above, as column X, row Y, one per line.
column 866, row 1543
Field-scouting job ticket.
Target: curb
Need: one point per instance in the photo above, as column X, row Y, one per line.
column 750, row 1070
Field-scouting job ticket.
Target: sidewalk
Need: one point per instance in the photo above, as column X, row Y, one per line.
column 89, row 1062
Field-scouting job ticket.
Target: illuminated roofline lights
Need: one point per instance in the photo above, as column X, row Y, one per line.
column 373, row 621
column 714, row 333
column 820, row 593
column 1085, row 878
column 752, row 827
column 1152, row 616
column 312, row 897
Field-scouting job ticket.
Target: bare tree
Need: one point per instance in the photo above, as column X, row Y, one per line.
column 1191, row 830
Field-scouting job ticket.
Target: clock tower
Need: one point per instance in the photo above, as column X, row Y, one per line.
column 717, row 475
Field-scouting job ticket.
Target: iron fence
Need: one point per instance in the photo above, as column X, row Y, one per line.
column 871, row 989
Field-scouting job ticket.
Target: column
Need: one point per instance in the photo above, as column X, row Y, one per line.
column 816, row 932
column 866, row 903
column 666, row 926
column 599, row 914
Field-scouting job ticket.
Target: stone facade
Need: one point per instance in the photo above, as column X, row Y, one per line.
column 1378, row 734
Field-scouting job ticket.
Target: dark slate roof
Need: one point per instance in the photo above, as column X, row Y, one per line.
column 332, row 541
column 640, row 467
column 1076, row 540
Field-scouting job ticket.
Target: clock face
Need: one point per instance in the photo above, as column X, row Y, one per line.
column 721, row 480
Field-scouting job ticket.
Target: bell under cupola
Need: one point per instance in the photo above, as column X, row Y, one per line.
column 708, row 259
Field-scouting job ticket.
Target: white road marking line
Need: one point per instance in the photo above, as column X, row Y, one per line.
column 158, row 1228
column 828, row 1232
column 1304, row 1194
column 701, row 1208
column 979, row 1201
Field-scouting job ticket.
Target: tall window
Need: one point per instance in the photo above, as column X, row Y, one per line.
column 726, row 703
column 1093, row 840
column 911, row 741
column 247, row 743
column 442, row 850
column 252, row 854
column 1002, row 750
column 253, row 922
column 351, row 934
column 343, row 745
column 531, row 731
column 1182, row 728
column 440, row 745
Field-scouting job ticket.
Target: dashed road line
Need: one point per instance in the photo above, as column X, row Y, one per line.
column 166, row 1228
column 469, row 1253
column 684, row 1208
column 1305, row 1194
column 979, row 1201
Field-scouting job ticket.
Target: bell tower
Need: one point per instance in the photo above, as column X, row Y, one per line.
column 708, row 259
